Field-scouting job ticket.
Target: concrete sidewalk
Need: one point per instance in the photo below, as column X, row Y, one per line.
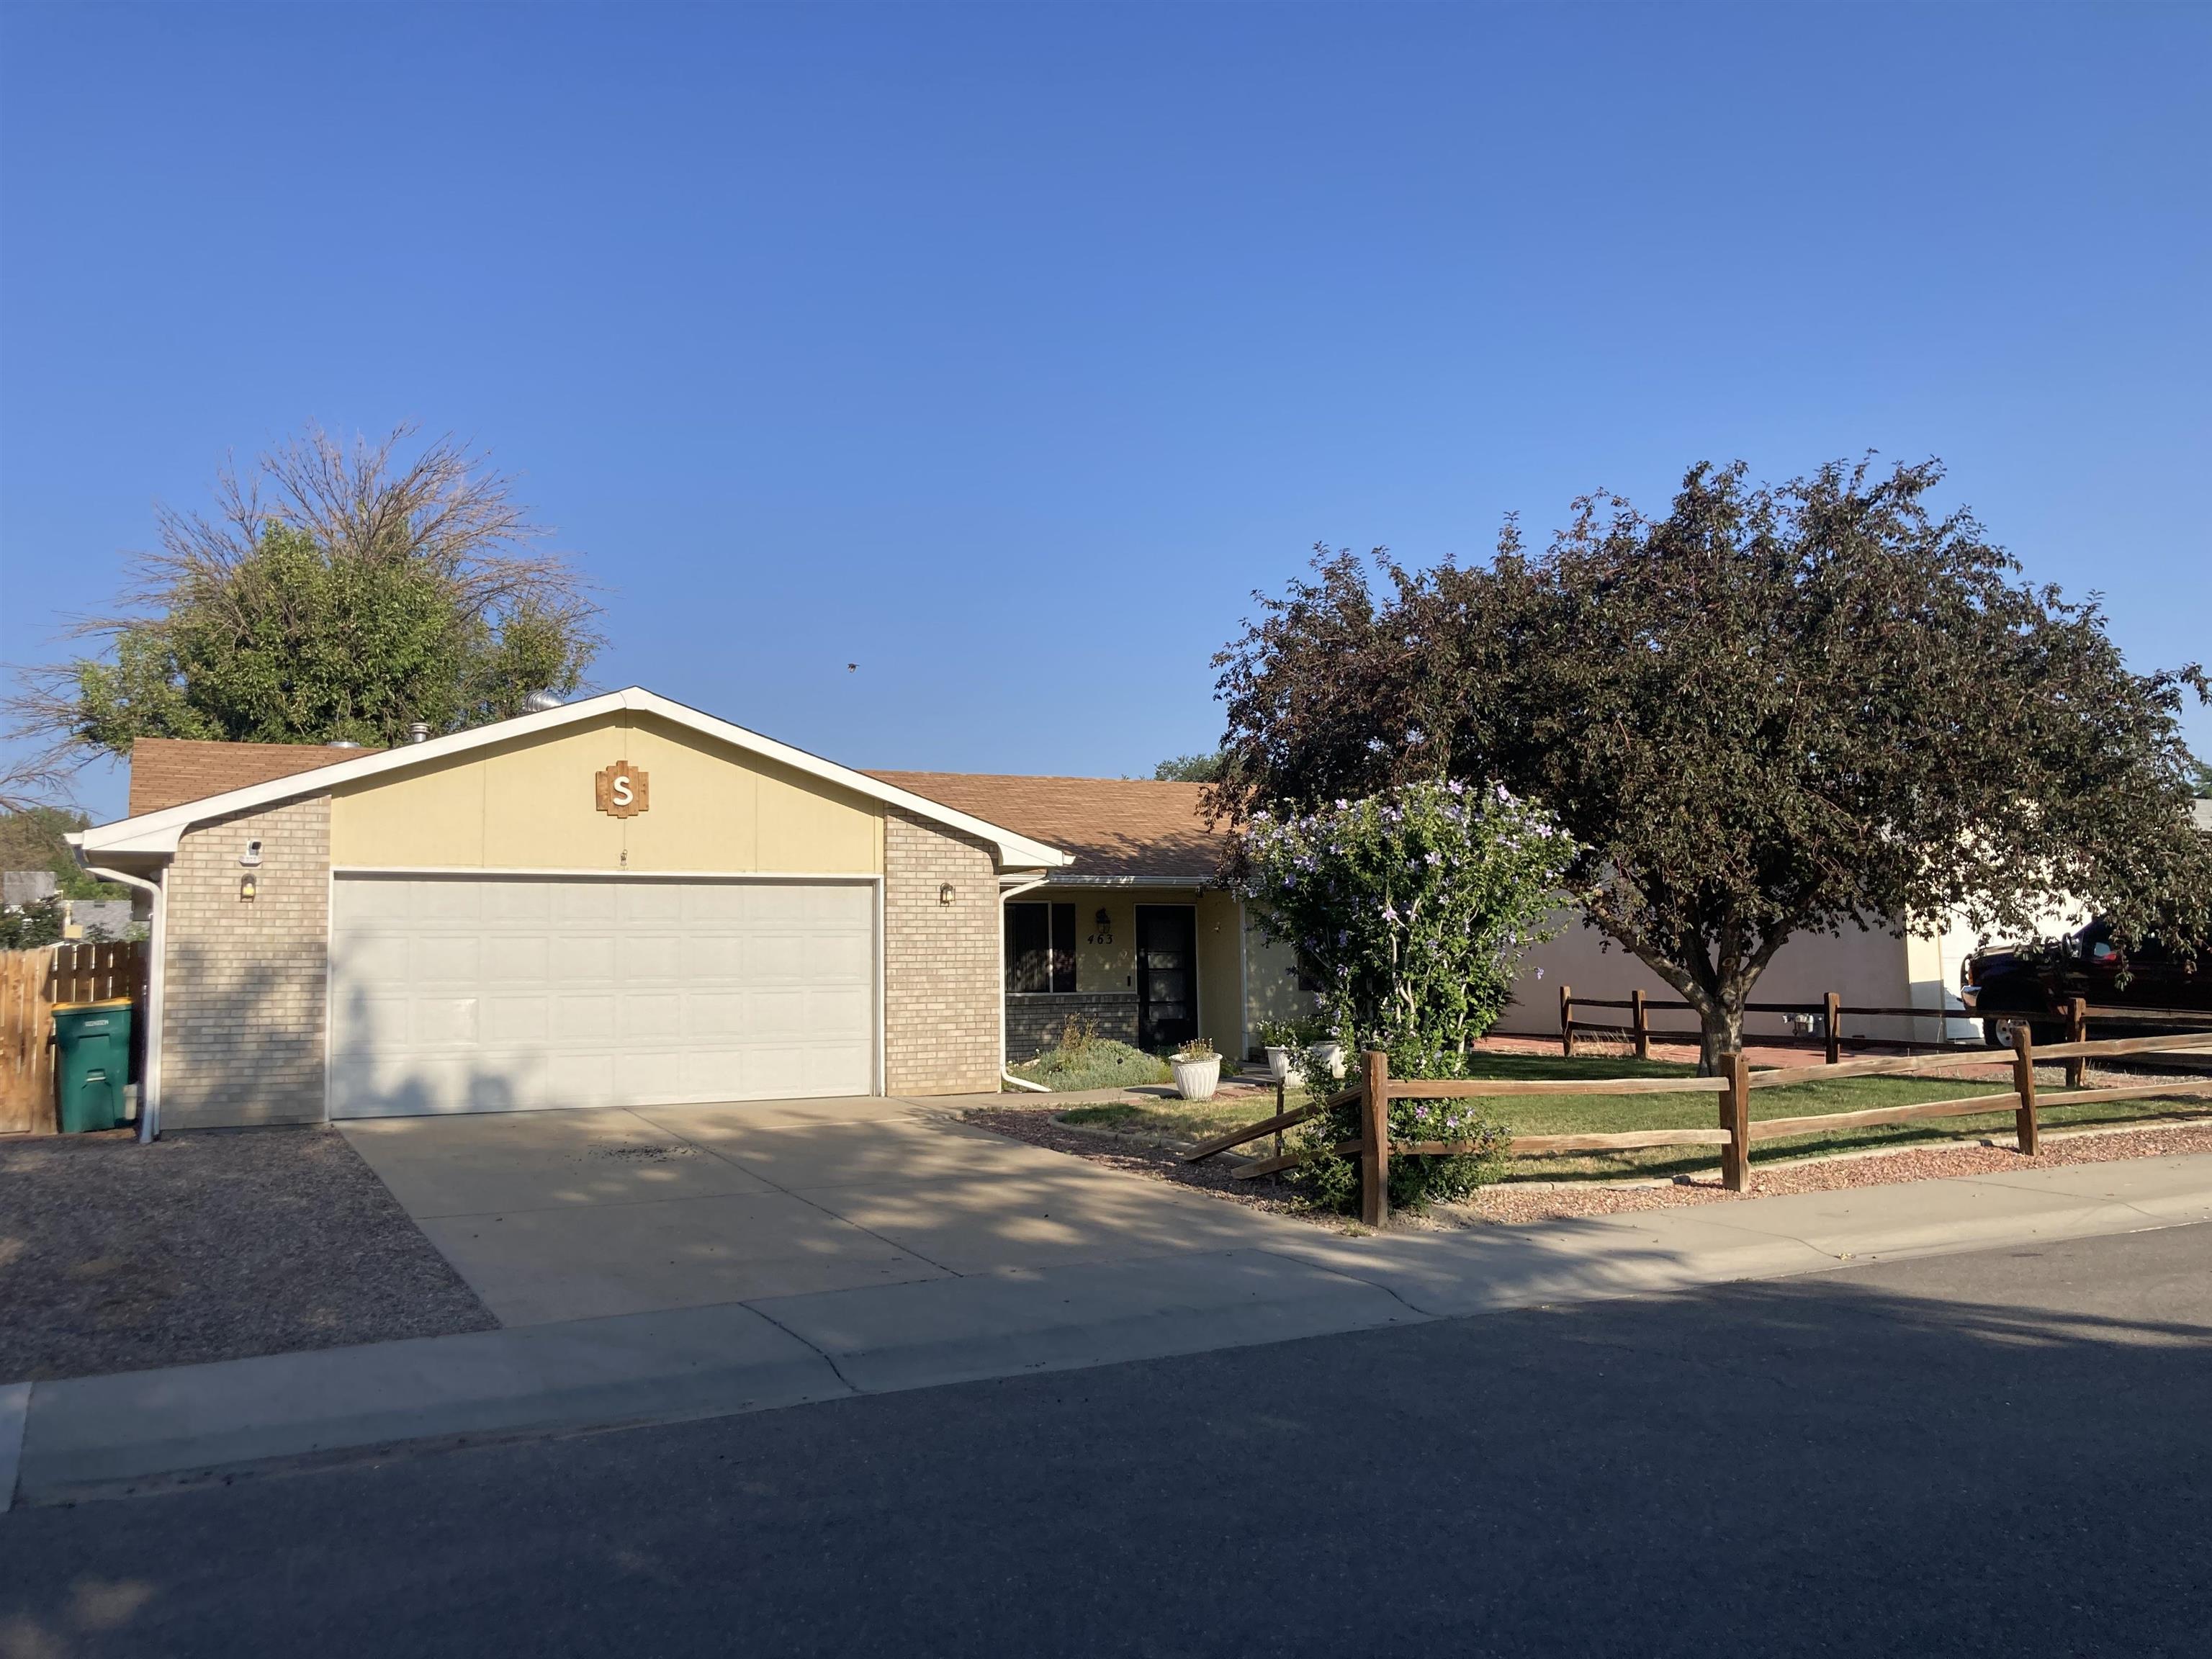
column 142, row 1431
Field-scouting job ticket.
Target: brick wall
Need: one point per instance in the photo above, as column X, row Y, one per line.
column 941, row 991
column 244, row 1012
column 1036, row 1019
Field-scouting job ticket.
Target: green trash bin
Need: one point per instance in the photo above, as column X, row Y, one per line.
column 92, row 1062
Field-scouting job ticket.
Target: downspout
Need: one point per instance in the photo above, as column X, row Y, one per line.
column 149, row 1081
column 1005, row 1073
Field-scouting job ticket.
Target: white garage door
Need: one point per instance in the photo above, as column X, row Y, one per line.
column 472, row 994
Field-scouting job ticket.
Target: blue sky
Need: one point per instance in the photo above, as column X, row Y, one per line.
column 1004, row 351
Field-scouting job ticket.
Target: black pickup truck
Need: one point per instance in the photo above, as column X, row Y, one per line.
column 2037, row 979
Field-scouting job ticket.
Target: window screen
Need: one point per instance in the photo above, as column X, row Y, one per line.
column 1040, row 947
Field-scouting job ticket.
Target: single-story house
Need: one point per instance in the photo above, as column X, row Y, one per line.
column 622, row 900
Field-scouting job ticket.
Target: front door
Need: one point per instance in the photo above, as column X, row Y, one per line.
column 1167, row 976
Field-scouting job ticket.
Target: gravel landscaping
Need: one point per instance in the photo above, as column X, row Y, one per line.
column 209, row 1244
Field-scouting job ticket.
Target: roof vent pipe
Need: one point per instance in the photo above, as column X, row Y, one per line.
column 538, row 702
column 418, row 731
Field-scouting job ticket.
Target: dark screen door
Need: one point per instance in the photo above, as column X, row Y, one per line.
column 1167, row 976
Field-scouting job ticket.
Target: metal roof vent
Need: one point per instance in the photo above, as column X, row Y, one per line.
column 418, row 731
column 540, row 702
column 340, row 742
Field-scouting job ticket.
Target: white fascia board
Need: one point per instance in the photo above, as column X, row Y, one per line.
column 158, row 833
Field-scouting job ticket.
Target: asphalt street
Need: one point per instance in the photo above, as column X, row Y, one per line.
column 2008, row 1452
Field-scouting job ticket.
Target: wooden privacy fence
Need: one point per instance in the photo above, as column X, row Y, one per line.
column 31, row 983
column 1830, row 1011
column 1734, row 1135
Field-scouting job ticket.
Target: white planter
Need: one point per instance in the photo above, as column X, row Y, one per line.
column 1197, row 1080
column 1278, row 1065
column 1329, row 1057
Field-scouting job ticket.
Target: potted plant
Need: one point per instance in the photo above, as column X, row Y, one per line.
column 1328, row 1057
column 1197, row 1070
column 1280, row 1041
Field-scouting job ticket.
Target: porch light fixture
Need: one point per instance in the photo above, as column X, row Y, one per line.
column 944, row 894
column 1104, row 921
column 247, row 887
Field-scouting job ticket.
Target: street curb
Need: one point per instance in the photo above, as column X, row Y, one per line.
column 112, row 1435
column 14, row 1413
column 888, row 1338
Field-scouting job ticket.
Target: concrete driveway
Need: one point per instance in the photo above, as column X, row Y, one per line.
column 579, row 1214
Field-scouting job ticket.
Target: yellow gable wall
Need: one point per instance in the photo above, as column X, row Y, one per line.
column 529, row 806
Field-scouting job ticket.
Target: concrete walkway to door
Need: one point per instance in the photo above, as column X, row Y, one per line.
column 561, row 1215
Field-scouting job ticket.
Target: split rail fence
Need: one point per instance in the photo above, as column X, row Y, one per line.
column 1830, row 1011
column 1734, row 1135
column 31, row 983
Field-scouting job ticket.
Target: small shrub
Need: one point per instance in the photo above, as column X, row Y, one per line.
column 1196, row 1048
column 1099, row 1063
column 1076, row 1036
column 1330, row 1180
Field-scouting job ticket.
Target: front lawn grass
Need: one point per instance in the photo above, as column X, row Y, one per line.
column 1551, row 1114
column 1542, row 1114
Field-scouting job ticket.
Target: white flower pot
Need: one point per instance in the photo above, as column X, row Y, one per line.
column 1278, row 1065
column 1197, row 1080
column 1329, row 1057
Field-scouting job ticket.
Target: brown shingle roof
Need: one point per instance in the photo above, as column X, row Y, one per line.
column 167, row 772
column 1117, row 829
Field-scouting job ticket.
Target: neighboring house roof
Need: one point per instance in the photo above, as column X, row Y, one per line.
column 27, row 886
column 156, row 833
column 2203, row 811
column 1122, row 831
column 167, row 772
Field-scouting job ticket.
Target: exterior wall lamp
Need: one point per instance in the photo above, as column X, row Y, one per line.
column 944, row 894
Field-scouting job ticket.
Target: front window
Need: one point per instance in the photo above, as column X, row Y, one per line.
column 1040, row 947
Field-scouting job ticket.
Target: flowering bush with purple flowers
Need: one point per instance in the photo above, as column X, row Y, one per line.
column 1409, row 910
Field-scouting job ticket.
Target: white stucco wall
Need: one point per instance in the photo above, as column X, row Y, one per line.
column 1869, row 970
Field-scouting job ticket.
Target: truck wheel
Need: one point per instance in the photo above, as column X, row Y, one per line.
column 2040, row 1032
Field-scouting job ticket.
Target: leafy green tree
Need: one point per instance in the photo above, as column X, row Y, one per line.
column 342, row 593
column 2200, row 779
column 1774, row 711
column 1189, row 768
column 27, row 927
column 31, row 838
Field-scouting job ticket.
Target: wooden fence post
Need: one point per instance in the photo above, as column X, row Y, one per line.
column 1374, row 1138
column 2023, row 1083
column 1567, row 1021
column 1642, row 1018
column 1280, row 1110
column 1735, row 1118
column 2077, row 1030
column 1832, row 1012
